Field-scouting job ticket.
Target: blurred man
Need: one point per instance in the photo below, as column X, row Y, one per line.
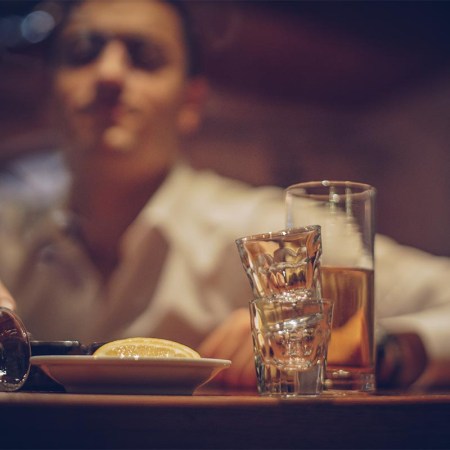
column 143, row 245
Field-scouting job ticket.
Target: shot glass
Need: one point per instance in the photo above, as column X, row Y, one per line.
column 345, row 211
column 290, row 339
column 287, row 260
column 290, row 321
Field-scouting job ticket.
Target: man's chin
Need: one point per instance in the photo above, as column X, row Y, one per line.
column 116, row 140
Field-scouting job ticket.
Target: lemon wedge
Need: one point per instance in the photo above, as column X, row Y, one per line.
column 140, row 347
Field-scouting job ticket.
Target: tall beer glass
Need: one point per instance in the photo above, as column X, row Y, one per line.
column 345, row 212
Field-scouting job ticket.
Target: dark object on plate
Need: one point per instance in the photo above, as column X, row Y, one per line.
column 41, row 348
column 37, row 379
column 91, row 348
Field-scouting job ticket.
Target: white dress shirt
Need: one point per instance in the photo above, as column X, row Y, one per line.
column 180, row 274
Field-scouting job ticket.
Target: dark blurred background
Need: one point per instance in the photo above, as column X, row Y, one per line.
column 301, row 90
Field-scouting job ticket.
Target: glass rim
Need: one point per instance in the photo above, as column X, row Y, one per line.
column 313, row 299
column 362, row 188
column 271, row 235
column 13, row 316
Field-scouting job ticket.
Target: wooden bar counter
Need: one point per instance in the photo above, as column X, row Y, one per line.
column 224, row 420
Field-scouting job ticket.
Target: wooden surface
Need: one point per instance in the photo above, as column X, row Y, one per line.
column 59, row 420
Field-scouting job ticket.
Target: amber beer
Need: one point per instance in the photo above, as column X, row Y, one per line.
column 345, row 211
column 351, row 349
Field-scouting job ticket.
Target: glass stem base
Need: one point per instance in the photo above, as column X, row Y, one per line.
column 349, row 381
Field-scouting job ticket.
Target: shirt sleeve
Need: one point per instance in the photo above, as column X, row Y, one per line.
column 412, row 293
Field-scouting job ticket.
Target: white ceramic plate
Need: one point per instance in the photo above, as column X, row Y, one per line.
column 164, row 376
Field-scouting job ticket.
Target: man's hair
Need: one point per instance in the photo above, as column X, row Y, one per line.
column 190, row 35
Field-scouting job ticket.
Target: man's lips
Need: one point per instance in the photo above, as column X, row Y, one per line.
column 108, row 111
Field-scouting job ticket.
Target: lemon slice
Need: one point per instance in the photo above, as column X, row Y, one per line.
column 140, row 347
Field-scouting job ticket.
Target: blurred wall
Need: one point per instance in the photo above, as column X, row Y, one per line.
column 302, row 91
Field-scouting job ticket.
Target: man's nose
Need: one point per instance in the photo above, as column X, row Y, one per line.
column 113, row 64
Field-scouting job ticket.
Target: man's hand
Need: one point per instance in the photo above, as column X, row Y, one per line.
column 401, row 360
column 232, row 340
column 6, row 299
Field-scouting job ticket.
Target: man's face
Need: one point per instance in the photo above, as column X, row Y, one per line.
column 121, row 84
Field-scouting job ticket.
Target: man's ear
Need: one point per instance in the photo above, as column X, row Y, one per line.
column 190, row 115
